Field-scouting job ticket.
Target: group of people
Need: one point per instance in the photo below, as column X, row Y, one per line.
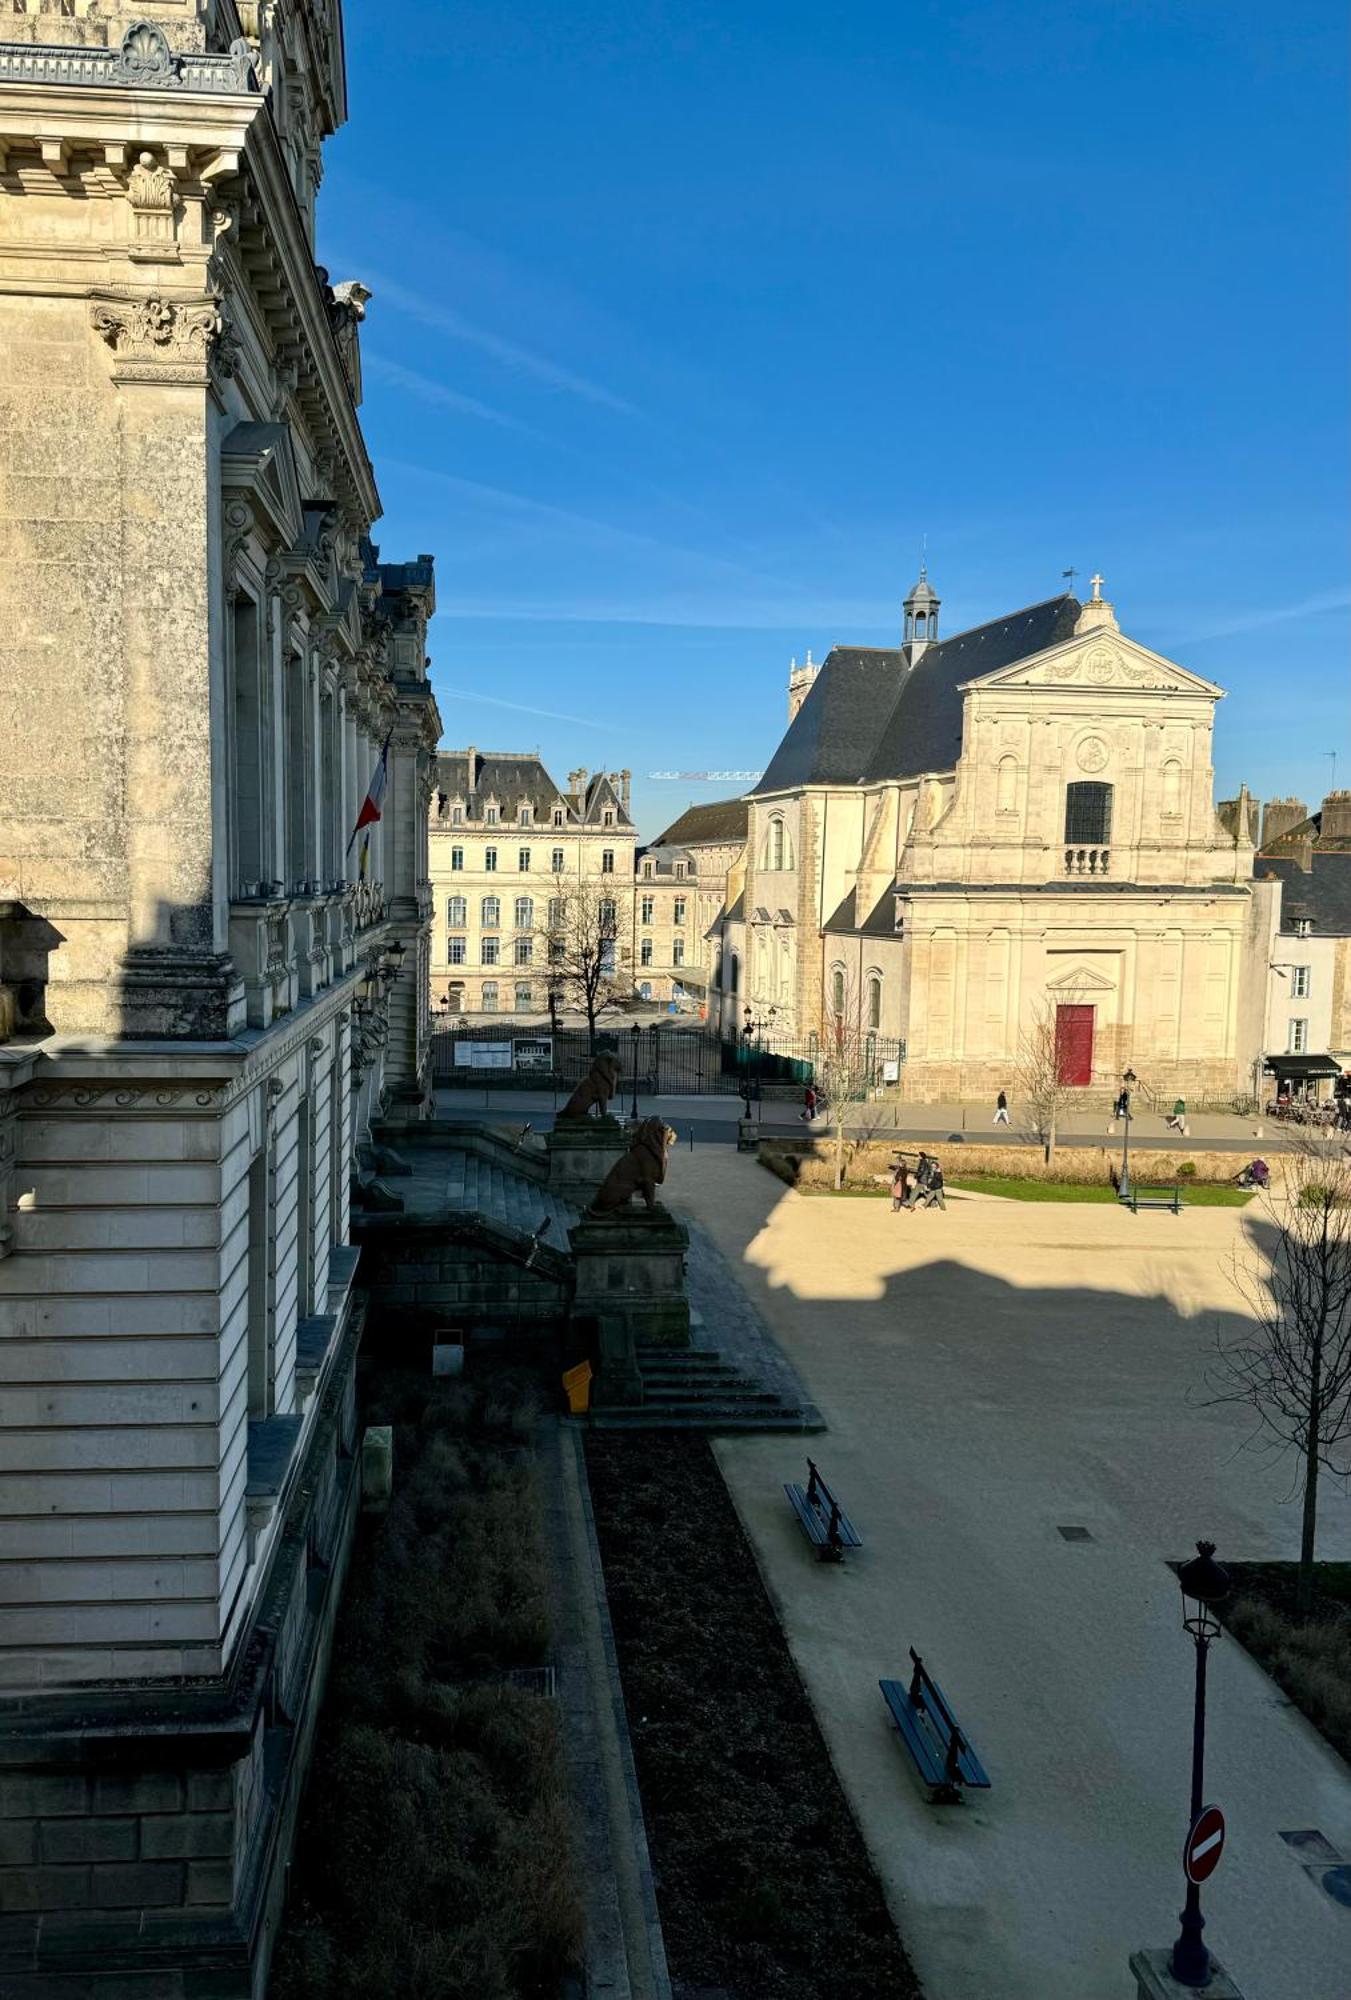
column 921, row 1189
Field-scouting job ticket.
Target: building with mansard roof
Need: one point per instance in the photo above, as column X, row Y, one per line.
column 508, row 849
column 211, row 992
column 964, row 834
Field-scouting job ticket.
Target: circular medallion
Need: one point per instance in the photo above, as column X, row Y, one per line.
column 1099, row 667
column 1091, row 754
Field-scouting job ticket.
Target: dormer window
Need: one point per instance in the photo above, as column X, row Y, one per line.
column 1303, row 926
column 457, row 815
column 609, row 817
column 490, row 815
column 558, row 815
column 525, row 815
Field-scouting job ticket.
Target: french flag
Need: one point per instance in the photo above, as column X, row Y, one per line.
column 374, row 799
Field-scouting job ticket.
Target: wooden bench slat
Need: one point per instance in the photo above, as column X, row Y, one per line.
column 815, row 1519
column 925, row 1737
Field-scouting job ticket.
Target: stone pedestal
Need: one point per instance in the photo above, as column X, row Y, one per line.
column 1154, row 1980
column 631, row 1287
column 581, row 1153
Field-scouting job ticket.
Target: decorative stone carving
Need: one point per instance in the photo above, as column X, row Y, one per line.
column 145, row 58
column 1100, row 666
column 639, row 1171
column 595, row 1090
column 1092, row 754
column 157, row 339
column 151, row 191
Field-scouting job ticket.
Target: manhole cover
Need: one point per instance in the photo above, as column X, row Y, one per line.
column 1074, row 1534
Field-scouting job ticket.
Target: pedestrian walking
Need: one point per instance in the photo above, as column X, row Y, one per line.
column 900, row 1186
column 1001, row 1109
column 1177, row 1117
column 808, row 1111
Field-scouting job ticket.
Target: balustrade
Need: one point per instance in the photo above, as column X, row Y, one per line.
column 1087, row 860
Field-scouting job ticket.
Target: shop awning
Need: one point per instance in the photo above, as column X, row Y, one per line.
column 1303, row 1066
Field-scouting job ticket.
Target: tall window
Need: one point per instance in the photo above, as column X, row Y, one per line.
column 489, row 1000
column 262, row 1288
column 557, row 911
column 490, row 816
column 645, row 952
column 304, row 1210
column 1088, row 815
column 457, row 815
column 456, row 910
column 647, row 871
column 523, row 860
column 678, row 915
column 1299, row 1038
column 525, row 912
column 558, row 815
column 455, row 951
column 607, row 861
column 678, row 951
column 525, row 819
column 874, row 1003
column 837, row 990
column 250, row 790
column 456, row 860
column 1006, row 788
column 490, row 860
column 609, row 818
column 490, row 912
column 645, row 910
column 525, row 950
column 556, row 861
column 490, row 951
column 680, row 870
column 606, row 912
column 1299, row 982
column 734, row 983
column 524, row 997
column 777, row 852
column 1172, row 789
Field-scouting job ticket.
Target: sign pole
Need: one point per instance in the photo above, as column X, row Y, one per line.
column 1191, row 1960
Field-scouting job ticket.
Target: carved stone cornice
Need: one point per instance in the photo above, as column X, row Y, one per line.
column 159, row 339
column 143, row 61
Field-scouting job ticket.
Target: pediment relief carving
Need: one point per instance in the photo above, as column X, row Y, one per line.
column 1080, row 979
column 1101, row 660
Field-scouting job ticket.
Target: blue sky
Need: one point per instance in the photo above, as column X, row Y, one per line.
column 692, row 321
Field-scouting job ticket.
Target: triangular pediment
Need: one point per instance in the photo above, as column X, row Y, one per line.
column 258, row 463
column 1097, row 662
column 1080, row 979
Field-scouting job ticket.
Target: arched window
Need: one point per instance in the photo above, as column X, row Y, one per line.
column 777, row 854
column 456, row 910
column 837, row 991
column 717, row 970
column 1006, row 791
column 1172, row 789
column 525, row 912
column 785, row 967
column 874, row 1001
column 1088, row 814
column 606, row 911
column 735, row 982
column 490, row 912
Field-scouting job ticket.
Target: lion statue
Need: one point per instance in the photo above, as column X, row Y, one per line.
column 639, row 1171
column 597, row 1087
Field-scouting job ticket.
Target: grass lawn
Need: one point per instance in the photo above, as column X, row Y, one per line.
column 1012, row 1189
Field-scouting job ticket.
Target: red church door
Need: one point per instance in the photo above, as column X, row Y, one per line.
column 1074, row 1044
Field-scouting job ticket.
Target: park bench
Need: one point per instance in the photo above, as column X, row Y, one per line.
column 928, row 1727
column 1164, row 1194
column 824, row 1522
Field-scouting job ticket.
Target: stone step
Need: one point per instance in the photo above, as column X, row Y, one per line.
column 711, row 1417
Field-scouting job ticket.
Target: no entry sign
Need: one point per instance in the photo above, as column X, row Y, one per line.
column 1205, row 1845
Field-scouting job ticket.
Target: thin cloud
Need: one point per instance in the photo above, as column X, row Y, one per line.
column 431, row 391
column 524, row 708
column 523, row 360
column 1276, row 614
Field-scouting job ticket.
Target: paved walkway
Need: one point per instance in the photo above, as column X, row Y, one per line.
column 991, row 1375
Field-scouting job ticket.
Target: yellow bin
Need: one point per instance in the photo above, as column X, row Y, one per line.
column 577, row 1382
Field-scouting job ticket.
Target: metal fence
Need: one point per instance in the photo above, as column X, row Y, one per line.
column 661, row 1061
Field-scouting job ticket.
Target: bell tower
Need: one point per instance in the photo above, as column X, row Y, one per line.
column 921, row 616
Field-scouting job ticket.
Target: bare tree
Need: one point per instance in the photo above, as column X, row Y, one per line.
column 1292, row 1366
column 843, row 1063
column 589, row 966
column 1040, row 1071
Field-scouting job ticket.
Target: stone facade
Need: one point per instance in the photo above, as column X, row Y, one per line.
column 680, row 894
column 207, row 990
column 959, row 834
column 507, row 848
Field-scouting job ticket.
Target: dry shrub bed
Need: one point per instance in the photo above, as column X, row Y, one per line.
column 436, row 1858
column 765, row 1888
column 1310, row 1658
column 802, row 1165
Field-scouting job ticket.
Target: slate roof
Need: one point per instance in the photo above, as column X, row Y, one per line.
column 514, row 780
column 1322, row 894
column 719, row 820
column 871, row 716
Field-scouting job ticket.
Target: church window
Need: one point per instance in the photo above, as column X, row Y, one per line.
column 1088, row 814
column 734, row 983
column 874, row 1001
column 837, row 991
column 776, row 853
column 1006, row 794
column 490, row 912
column 1172, row 789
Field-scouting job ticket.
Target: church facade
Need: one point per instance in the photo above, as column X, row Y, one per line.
column 962, row 837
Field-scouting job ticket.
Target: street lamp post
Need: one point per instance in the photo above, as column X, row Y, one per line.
column 1204, row 1584
column 636, row 1032
column 1128, row 1082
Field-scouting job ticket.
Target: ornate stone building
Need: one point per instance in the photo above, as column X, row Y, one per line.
column 208, row 992
column 961, row 833
column 680, row 895
column 508, row 847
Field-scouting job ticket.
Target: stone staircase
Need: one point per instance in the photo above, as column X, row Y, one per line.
column 695, row 1389
column 485, row 1188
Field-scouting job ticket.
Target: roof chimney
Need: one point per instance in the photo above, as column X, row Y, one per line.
column 471, row 765
column 625, row 782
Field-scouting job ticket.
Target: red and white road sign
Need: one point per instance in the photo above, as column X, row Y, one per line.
column 1205, row 1845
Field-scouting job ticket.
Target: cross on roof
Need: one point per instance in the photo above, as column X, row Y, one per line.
column 1097, row 580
